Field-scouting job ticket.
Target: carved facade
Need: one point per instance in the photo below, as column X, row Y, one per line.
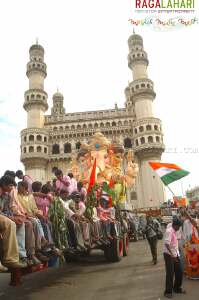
column 52, row 140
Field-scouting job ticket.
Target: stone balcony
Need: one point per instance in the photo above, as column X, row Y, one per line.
column 149, row 150
column 146, row 121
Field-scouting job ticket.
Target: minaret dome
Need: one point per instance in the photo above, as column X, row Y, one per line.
column 58, row 96
column 135, row 40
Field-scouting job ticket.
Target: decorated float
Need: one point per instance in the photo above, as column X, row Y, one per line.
column 105, row 168
column 105, row 165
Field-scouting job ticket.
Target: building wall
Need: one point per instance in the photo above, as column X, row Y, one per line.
column 135, row 123
column 150, row 189
column 60, row 164
column 37, row 174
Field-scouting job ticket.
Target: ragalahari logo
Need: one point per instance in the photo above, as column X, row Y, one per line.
column 165, row 4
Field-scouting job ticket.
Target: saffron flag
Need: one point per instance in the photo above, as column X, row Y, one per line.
column 180, row 202
column 168, row 172
column 92, row 177
column 111, row 185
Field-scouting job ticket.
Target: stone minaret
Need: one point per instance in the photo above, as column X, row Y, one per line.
column 147, row 131
column 58, row 104
column 34, row 139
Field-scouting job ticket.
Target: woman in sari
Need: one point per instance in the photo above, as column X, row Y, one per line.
column 191, row 247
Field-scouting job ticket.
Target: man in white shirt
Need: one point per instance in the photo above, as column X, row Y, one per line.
column 172, row 261
column 75, row 237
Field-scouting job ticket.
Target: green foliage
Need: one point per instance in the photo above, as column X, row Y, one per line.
column 91, row 201
column 59, row 229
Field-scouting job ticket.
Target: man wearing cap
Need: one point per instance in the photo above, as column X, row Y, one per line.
column 172, row 261
column 76, row 205
column 73, row 214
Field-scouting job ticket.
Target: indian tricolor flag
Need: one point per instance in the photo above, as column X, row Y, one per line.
column 168, row 172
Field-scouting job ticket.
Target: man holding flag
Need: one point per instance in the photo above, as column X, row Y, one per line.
column 172, row 260
column 169, row 173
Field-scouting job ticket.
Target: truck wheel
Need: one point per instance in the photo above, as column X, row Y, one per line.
column 125, row 244
column 107, row 253
column 121, row 247
column 69, row 258
column 114, row 251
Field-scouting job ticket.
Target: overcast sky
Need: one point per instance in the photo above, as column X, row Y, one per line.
column 86, row 54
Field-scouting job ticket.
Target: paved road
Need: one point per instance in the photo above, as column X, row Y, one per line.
column 93, row 279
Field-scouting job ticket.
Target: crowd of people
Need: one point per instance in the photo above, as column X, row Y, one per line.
column 180, row 248
column 38, row 219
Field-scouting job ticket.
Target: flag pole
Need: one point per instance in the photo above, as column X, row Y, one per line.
column 182, row 188
column 171, row 190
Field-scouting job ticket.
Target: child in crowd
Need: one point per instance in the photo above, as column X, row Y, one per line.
column 96, row 228
column 74, row 215
column 25, row 178
column 43, row 198
column 106, row 216
column 73, row 183
column 62, row 182
column 70, row 216
column 78, row 207
column 81, row 189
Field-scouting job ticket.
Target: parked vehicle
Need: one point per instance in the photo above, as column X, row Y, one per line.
column 167, row 215
column 113, row 249
column 136, row 224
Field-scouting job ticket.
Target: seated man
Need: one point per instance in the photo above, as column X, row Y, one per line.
column 27, row 201
column 73, row 220
column 7, row 184
column 10, row 256
column 29, row 243
column 71, row 236
column 78, row 207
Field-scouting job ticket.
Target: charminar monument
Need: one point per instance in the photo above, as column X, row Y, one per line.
column 51, row 140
